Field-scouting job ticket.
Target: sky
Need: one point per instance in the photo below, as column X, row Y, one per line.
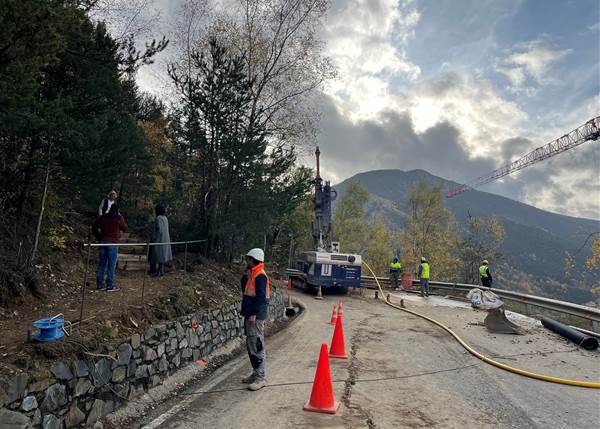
column 459, row 88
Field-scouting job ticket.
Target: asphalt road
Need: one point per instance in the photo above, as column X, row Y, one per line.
column 402, row 372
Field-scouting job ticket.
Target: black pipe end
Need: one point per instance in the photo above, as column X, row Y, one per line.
column 590, row 343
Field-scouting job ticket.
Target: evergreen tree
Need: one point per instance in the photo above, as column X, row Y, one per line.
column 69, row 131
column 234, row 177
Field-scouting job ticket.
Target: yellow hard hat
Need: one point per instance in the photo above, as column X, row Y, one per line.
column 485, row 261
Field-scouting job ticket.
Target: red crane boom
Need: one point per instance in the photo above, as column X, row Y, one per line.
column 588, row 131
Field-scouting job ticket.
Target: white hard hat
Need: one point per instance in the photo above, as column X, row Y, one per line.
column 257, row 254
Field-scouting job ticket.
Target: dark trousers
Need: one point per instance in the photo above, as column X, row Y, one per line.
column 158, row 269
column 486, row 281
column 107, row 263
column 394, row 279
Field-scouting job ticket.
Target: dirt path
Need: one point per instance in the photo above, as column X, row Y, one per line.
column 107, row 316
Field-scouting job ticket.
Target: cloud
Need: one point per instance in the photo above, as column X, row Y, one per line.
column 420, row 86
column 391, row 141
column 366, row 40
column 530, row 61
column 515, row 148
column 484, row 118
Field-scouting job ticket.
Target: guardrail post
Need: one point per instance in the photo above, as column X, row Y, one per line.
column 529, row 309
column 595, row 326
column 185, row 258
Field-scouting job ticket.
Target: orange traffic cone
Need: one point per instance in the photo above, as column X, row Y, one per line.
column 333, row 317
column 338, row 348
column 289, row 283
column 340, row 310
column 321, row 398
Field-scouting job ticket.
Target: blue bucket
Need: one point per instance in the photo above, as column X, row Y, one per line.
column 50, row 328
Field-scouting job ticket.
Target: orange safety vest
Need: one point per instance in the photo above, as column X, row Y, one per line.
column 250, row 289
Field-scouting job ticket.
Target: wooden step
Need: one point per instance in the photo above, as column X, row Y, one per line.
column 126, row 257
column 132, row 266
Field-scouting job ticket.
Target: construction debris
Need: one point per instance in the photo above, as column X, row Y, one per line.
column 497, row 322
column 486, row 300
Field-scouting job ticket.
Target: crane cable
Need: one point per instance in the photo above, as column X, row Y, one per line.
column 588, row 384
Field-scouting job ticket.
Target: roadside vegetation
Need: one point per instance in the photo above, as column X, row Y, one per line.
column 219, row 151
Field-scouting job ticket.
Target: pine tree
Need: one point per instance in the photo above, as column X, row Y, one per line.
column 236, row 178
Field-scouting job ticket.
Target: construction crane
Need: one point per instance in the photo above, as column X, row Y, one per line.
column 590, row 131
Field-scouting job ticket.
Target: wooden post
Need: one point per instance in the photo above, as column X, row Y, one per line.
column 145, row 271
column 41, row 214
column 87, row 264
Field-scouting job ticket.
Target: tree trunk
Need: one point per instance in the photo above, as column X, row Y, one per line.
column 41, row 215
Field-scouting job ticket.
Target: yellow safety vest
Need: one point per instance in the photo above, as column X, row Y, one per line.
column 425, row 270
column 396, row 265
column 483, row 270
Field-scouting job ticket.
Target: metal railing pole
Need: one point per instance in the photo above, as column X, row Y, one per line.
column 185, row 259
column 145, row 271
column 85, row 275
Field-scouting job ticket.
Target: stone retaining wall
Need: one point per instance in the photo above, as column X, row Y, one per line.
column 84, row 390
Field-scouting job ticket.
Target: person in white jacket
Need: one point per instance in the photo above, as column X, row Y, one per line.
column 107, row 202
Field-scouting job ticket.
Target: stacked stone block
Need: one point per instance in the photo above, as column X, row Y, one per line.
column 86, row 389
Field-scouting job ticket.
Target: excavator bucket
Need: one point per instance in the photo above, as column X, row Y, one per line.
column 497, row 322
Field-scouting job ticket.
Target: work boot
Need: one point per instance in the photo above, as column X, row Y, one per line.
column 249, row 380
column 258, row 384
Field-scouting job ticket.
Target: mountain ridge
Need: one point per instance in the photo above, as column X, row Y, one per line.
column 536, row 239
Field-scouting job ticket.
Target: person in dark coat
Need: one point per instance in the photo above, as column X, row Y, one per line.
column 160, row 254
column 107, row 230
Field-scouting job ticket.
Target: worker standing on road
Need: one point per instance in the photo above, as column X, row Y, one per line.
column 255, row 307
column 424, row 276
column 484, row 272
column 395, row 270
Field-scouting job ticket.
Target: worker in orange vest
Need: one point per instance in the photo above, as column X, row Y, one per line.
column 255, row 309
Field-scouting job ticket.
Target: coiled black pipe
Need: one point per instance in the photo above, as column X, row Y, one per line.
column 579, row 338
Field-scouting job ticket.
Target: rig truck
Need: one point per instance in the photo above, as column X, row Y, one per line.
column 325, row 266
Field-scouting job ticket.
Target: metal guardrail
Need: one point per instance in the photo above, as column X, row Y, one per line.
column 576, row 310
column 581, row 311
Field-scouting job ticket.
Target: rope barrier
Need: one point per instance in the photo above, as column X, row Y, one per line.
column 173, row 243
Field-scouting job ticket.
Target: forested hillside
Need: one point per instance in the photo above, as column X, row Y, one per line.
column 220, row 152
column 535, row 244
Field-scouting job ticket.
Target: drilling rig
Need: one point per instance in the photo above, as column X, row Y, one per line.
column 325, row 266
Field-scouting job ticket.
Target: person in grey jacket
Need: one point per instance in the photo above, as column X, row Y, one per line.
column 160, row 254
